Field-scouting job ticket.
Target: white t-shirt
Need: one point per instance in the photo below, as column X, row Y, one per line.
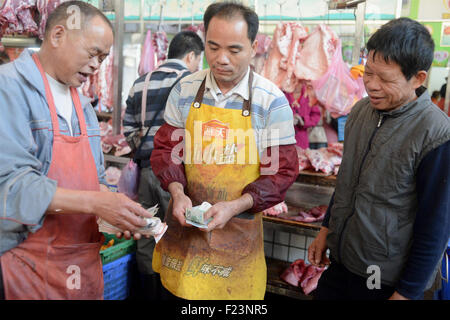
column 63, row 100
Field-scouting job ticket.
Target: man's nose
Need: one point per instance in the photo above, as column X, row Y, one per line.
column 223, row 58
column 94, row 63
column 372, row 84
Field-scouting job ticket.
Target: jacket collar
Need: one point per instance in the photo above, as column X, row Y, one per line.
column 177, row 61
column 27, row 68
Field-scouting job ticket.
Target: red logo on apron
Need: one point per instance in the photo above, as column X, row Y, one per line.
column 215, row 129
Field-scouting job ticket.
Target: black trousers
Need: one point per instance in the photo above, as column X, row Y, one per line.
column 338, row 283
column 153, row 290
column 2, row 289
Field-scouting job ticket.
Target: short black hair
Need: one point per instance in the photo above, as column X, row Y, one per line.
column 229, row 10
column 62, row 14
column 183, row 43
column 405, row 42
column 435, row 94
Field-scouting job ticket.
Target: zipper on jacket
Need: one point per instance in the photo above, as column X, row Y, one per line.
column 380, row 123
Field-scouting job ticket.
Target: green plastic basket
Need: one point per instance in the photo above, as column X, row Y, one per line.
column 120, row 248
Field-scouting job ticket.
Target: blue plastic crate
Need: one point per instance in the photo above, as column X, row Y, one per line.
column 341, row 127
column 117, row 277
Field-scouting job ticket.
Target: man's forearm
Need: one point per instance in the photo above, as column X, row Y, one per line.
column 67, row 201
column 242, row 204
column 175, row 189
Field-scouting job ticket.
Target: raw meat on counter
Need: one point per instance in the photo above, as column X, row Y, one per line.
column 276, row 209
column 323, row 160
column 299, row 274
column 336, row 148
column 110, row 141
column 326, row 160
column 315, row 214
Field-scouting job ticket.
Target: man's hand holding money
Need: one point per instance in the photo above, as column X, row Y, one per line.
column 180, row 203
column 222, row 212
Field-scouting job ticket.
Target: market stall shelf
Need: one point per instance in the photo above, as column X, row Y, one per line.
column 275, row 285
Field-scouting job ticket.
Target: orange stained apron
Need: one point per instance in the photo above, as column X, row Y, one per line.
column 226, row 263
column 61, row 260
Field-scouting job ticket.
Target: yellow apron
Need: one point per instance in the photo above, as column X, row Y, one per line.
column 221, row 158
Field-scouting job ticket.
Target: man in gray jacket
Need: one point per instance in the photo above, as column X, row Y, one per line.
column 388, row 221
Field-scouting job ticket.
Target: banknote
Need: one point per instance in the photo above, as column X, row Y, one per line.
column 195, row 215
column 154, row 226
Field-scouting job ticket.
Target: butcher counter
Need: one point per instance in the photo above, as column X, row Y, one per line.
column 311, row 189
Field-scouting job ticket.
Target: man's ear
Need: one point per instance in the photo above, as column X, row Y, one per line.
column 191, row 56
column 254, row 47
column 57, row 34
column 419, row 79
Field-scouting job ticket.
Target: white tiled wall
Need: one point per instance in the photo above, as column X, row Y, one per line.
column 286, row 246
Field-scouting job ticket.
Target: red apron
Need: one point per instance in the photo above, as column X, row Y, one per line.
column 61, row 260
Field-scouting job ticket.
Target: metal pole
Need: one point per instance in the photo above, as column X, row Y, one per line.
column 142, row 25
column 398, row 10
column 161, row 16
column 360, row 14
column 118, row 64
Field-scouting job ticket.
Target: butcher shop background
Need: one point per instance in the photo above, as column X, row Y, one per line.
column 174, row 15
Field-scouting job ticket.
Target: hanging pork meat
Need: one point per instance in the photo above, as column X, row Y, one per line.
column 105, row 81
column 262, row 52
column 101, row 84
column 315, row 56
column 161, row 44
column 147, row 62
column 45, row 7
column 17, row 17
column 279, row 66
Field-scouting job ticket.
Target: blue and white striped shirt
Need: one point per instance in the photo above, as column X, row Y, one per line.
column 271, row 115
column 161, row 82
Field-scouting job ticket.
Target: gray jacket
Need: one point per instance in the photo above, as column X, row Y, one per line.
column 375, row 202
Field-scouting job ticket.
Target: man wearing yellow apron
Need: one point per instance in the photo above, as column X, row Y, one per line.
column 229, row 140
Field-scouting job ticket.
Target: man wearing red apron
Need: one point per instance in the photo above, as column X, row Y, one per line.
column 51, row 178
column 237, row 143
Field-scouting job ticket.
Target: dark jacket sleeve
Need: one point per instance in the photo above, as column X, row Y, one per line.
column 270, row 188
column 166, row 159
column 432, row 225
column 326, row 219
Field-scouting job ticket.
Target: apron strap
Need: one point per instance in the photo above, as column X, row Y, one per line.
column 51, row 102
column 199, row 97
column 144, row 99
column 79, row 110
column 246, row 108
column 49, row 96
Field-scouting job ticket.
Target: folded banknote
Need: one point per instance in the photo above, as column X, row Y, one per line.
column 195, row 215
column 154, row 226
